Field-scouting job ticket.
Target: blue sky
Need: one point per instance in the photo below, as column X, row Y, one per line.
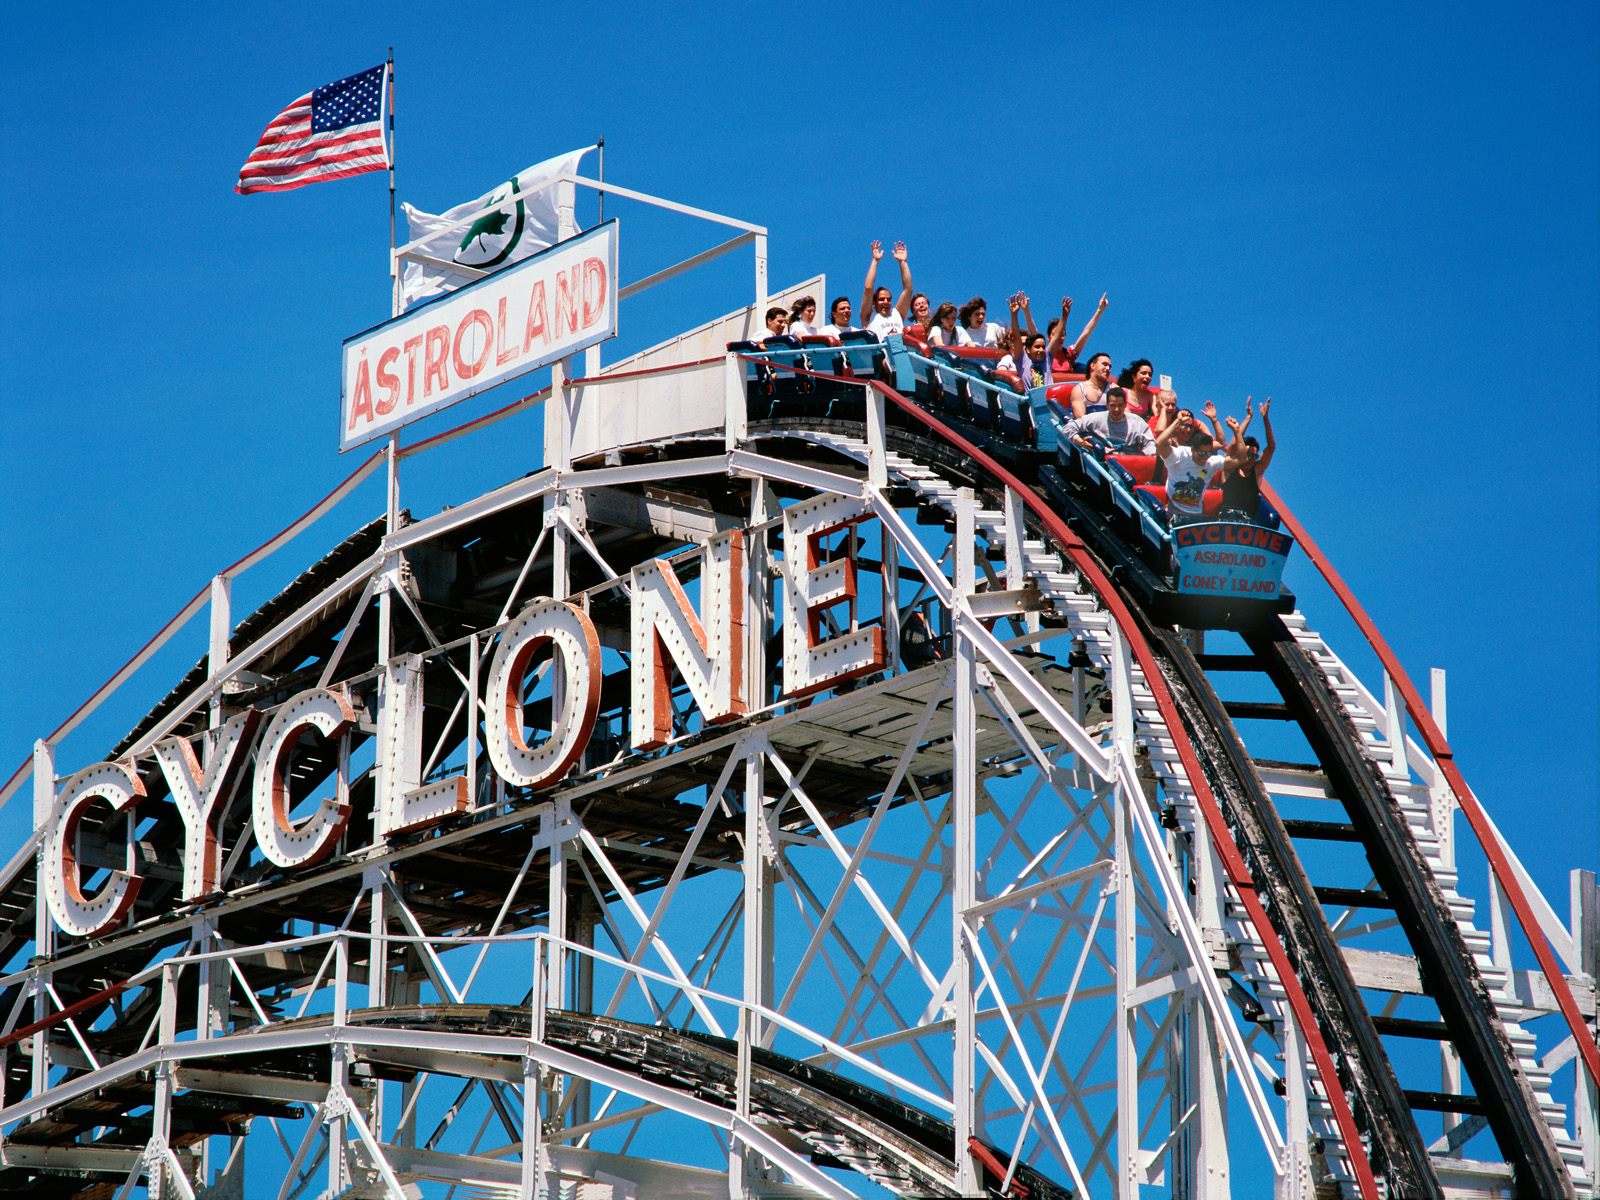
column 1384, row 216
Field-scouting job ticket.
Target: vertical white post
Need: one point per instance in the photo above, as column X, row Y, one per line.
column 1208, row 1163
column 1586, row 1094
column 560, row 585
column 745, row 1166
column 1016, row 560
column 1442, row 817
column 556, row 442
column 877, row 465
column 1079, row 775
column 392, row 482
column 1443, row 801
column 891, row 595
column 217, row 650
column 532, row 1130
column 964, row 859
column 1499, row 929
column 44, row 930
column 1130, row 1170
column 474, row 655
column 878, row 479
column 736, row 419
column 211, row 1008
column 558, row 450
column 758, row 909
column 339, row 1067
column 1396, row 731
column 761, row 277
column 374, row 879
column 1294, row 1180
column 757, row 602
column 161, row 1106
column 399, row 750
column 555, row 983
column 584, row 922
column 391, row 525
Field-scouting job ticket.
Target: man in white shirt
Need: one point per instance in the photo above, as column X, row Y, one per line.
column 838, row 318
column 882, row 317
column 1191, row 467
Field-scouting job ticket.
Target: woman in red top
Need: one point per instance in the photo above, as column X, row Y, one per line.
column 1064, row 359
column 1135, row 380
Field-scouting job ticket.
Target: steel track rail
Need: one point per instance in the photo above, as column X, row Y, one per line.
column 1399, row 1153
column 1449, row 972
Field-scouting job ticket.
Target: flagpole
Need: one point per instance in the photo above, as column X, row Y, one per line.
column 392, row 496
column 601, row 191
column 394, row 266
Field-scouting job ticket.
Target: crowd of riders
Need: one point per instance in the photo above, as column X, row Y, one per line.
column 1099, row 414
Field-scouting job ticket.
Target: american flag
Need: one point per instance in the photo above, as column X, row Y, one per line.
column 329, row 133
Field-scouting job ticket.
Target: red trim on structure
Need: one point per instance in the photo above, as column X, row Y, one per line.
column 61, row 1015
column 1434, row 739
column 995, row 1167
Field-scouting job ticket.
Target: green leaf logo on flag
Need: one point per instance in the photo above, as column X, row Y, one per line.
column 491, row 239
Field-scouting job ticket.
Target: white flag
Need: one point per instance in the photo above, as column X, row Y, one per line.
column 504, row 225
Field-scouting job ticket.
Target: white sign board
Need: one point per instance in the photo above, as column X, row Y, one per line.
column 515, row 321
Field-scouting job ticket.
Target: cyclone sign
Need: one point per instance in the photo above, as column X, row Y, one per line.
column 668, row 638
column 1228, row 558
column 517, row 320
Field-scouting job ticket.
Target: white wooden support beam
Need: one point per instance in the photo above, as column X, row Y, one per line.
column 1442, row 801
column 338, row 1070
column 963, row 862
column 1130, row 1172
column 761, row 275
column 44, row 930
column 74, row 1158
column 533, row 1174
column 1204, row 1052
column 1586, row 936
column 736, row 418
column 374, row 880
column 1011, row 602
column 399, row 749
column 1395, row 730
column 1294, row 1180
column 758, row 597
column 877, row 464
column 211, row 1010
column 557, row 440
column 217, row 650
column 758, row 918
column 1016, row 562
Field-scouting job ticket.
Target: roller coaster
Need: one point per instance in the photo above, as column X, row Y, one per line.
column 808, row 781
